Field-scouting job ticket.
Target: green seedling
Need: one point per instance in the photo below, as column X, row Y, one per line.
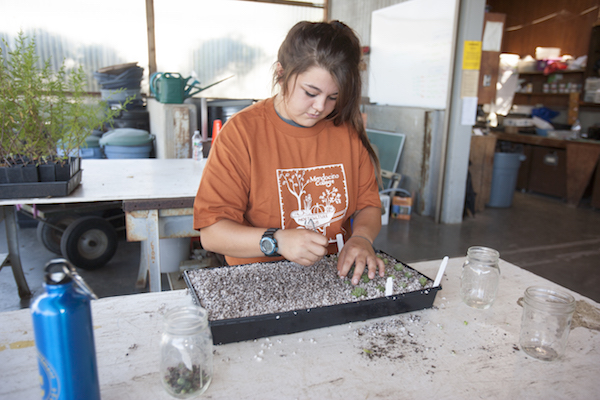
column 408, row 274
column 368, row 351
column 379, row 256
column 365, row 278
column 358, row 292
column 386, row 261
column 423, row 281
column 381, row 288
column 403, row 284
column 398, row 267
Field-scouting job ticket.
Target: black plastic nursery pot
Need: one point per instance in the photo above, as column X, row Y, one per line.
column 54, row 179
column 254, row 327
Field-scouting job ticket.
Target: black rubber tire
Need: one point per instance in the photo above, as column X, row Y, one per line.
column 50, row 236
column 89, row 242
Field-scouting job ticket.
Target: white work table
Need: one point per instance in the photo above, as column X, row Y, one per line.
column 146, row 187
column 448, row 352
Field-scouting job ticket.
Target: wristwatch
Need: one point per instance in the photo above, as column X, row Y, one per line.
column 268, row 244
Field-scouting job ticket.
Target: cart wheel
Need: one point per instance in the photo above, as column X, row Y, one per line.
column 89, row 242
column 49, row 236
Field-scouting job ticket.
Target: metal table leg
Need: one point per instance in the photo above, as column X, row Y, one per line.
column 14, row 258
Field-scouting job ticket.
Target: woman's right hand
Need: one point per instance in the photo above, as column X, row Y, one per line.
column 301, row 246
column 230, row 238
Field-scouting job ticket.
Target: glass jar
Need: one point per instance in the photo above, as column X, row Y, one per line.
column 186, row 352
column 546, row 323
column 480, row 277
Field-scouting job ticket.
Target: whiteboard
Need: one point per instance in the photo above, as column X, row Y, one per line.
column 411, row 49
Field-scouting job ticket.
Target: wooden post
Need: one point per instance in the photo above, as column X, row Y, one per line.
column 573, row 107
column 481, row 168
column 151, row 39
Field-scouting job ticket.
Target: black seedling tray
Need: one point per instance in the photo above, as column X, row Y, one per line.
column 40, row 189
column 254, row 327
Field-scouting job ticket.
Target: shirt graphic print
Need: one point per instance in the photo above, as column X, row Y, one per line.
column 314, row 198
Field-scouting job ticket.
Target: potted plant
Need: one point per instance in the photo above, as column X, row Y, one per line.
column 45, row 118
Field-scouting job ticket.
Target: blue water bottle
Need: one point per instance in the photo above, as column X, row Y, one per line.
column 64, row 337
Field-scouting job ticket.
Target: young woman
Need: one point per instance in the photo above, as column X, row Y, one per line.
column 289, row 173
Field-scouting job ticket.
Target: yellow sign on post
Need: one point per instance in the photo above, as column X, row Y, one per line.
column 472, row 55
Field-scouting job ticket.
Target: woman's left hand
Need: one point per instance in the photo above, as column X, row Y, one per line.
column 358, row 250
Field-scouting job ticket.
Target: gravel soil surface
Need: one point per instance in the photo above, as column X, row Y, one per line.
column 266, row 288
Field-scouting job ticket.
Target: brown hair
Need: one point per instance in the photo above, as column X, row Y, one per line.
column 334, row 47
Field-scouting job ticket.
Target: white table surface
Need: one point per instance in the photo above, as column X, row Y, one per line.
column 448, row 352
column 131, row 179
column 118, row 180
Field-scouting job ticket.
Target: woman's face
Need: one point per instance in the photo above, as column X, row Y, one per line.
column 311, row 97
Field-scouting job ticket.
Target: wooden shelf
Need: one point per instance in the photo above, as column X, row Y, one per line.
column 592, row 105
column 546, row 94
column 579, row 71
column 557, row 100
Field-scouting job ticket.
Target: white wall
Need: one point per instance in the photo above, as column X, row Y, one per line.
column 428, row 140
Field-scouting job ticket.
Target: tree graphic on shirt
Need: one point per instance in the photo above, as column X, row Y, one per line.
column 311, row 216
column 296, row 184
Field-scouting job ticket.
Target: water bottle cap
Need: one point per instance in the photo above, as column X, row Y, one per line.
column 60, row 271
column 55, row 274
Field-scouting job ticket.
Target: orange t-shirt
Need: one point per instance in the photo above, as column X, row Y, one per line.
column 264, row 172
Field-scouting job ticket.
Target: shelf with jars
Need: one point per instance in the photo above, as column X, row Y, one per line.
column 560, row 89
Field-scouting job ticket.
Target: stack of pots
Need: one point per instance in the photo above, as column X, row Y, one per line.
column 119, row 82
column 127, row 143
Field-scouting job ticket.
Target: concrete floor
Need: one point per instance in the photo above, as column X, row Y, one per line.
column 540, row 234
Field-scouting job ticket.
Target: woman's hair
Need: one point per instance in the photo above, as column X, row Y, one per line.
column 334, row 47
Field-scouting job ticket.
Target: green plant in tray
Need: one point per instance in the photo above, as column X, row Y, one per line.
column 44, row 114
column 359, row 292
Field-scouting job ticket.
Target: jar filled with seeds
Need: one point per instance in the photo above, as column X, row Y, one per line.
column 480, row 277
column 186, row 362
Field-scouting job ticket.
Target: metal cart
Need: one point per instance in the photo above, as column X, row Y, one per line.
column 86, row 234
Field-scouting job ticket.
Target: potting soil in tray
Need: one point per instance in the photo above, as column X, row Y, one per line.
column 265, row 299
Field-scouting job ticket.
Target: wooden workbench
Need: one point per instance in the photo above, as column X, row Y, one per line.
column 582, row 161
column 448, row 352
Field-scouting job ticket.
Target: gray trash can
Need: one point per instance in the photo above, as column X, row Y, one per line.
column 504, row 178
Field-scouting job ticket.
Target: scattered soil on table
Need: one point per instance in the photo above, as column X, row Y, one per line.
column 267, row 288
column 392, row 339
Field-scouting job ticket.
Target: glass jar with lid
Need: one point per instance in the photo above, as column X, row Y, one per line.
column 186, row 350
column 480, row 277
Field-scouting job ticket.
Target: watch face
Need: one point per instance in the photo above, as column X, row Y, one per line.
column 268, row 246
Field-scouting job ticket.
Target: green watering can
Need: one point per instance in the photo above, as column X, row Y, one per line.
column 172, row 88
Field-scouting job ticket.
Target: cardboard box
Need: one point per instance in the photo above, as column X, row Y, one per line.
column 401, row 207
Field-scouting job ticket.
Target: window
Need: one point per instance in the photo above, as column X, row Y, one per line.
column 205, row 39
